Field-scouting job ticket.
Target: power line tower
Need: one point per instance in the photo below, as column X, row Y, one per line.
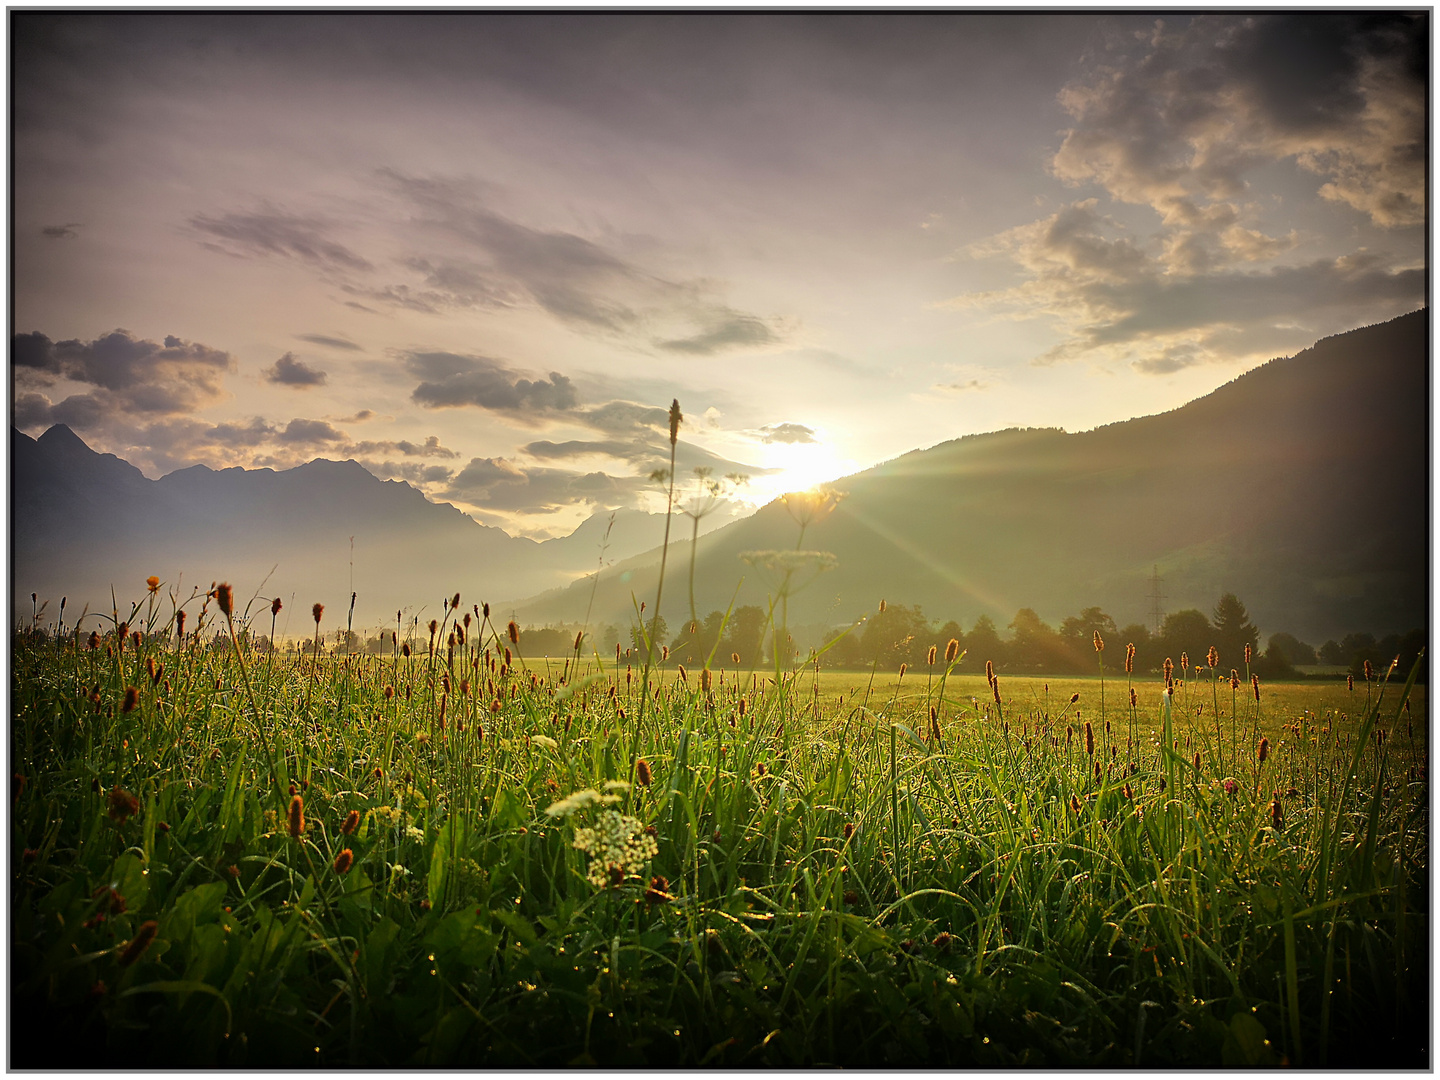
column 1157, row 600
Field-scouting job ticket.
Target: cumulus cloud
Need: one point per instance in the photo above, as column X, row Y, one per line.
column 272, row 232
column 287, row 371
column 1183, row 120
column 310, row 431
column 787, row 433
column 1178, row 120
column 124, row 375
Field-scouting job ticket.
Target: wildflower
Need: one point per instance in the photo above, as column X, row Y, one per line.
column 577, row 801
column 1089, row 740
column 1230, row 786
column 618, row 846
column 93, row 642
column 514, row 632
column 1247, row 654
column 930, row 656
column 1264, row 751
column 352, row 821
column 316, row 611
column 123, row 805
column 1129, row 658
column 225, row 599
column 179, row 625
column 1369, row 671
column 1277, row 815
column 642, row 773
column 1169, row 668
column 952, row 650
column 1128, row 791
column 132, row 699
column 344, row 860
column 849, row 829
column 1255, row 682
column 275, row 606
column 139, row 943
column 1349, row 679
column 760, row 769
column 1212, row 657
column 705, row 679
column 1099, row 642
column 295, row 816
column 545, row 741
column 152, row 583
column 902, row 670
column 942, row 941
column 1184, row 664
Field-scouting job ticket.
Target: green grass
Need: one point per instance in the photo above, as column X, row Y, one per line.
column 840, row 886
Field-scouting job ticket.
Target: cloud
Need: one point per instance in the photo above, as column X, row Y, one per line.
column 126, row 375
column 331, row 342
column 61, row 232
column 574, row 448
column 787, row 433
column 422, row 476
column 273, row 232
column 449, row 380
column 498, row 484
column 499, row 262
column 311, row 431
column 429, row 448
column 287, row 371
column 733, row 329
column 961, row 388
column 1189, row 121
column 1177, row 121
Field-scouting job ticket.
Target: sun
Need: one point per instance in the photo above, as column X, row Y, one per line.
column 801, row 466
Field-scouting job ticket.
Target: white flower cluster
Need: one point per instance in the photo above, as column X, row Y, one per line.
column 618, row 846
column 580, row 800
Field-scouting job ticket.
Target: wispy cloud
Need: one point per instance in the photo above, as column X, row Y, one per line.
column 271, row 232
column 329, row 341
column 787, row 433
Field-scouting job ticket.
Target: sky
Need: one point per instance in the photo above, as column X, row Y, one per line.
column 483, row 251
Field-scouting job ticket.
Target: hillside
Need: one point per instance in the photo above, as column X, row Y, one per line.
column 83, row 522
column 1302, row 486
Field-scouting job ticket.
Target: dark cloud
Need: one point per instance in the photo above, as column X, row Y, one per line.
column 276, row 233
column 287, row 371
column 574, row 448
column 331, row 342
column 429, row 448
column 626, row 418
column 61, row 232
column 1177, row 118
column 733, row 330
column 127, row 374
column 450, row 380
column 787, row 433
column 310, row 431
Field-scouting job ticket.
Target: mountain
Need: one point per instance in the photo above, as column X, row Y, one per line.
column 1302, row 486
column 82, row 522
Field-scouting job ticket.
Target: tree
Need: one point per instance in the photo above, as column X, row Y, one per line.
column 1234, row 631
column 1190, row 632
column 1146, row 658
column 1080, row 630
column 984, row 643
column 1292, row 649
column 898, row 635
column 745, row 634
column 637, row 636
column 1034, row 646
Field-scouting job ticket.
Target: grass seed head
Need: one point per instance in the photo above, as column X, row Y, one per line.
column 295, row 816
column 514, row 631
column 1212, row 658
column 316, row 611
column 180, row 623
column 675, row 418
column 344, row 861
column 144, row 935
column 225, row 599
column 132, row 699
column 952, row 650
column 1263, row 752
column 930, row 656
column 123, row 805
column 1099, row 642
column 642, row 773
column 351, row 822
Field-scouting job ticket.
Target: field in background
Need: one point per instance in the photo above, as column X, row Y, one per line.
column 246, row 860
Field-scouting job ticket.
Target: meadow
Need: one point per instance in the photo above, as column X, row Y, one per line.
column 464, row 856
